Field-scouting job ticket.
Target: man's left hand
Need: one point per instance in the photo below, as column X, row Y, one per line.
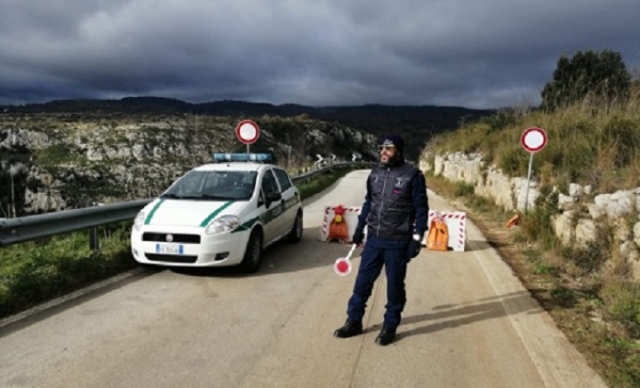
column 413, row 249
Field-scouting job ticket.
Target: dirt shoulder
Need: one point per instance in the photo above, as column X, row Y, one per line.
column 570, row 297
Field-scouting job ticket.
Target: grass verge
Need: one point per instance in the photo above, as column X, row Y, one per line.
column 599, row 314
column 321, row 182
column 37, row 271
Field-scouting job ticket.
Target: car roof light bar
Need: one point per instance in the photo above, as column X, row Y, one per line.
column 242, row 157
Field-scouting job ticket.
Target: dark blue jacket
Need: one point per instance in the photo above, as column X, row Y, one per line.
column 396, row 204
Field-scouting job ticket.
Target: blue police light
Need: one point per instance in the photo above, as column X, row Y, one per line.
column 242, row 157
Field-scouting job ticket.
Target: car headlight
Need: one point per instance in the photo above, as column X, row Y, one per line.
column 223, row 224
column 138, row 221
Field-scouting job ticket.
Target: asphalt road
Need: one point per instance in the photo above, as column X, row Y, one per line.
column 468, row 323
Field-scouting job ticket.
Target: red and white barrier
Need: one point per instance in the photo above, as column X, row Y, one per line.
column 350, row 216
column 457, row 225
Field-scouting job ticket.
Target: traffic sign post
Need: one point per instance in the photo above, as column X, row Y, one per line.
column 248, row 132
column 533, row 140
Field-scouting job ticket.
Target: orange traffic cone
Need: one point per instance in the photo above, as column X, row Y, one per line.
column 515, row 220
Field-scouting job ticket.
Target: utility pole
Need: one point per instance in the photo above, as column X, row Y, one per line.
column 196, row 136
column 13, row 201
column 195, row 140
column 13, row 170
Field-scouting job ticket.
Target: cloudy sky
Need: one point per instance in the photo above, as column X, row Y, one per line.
column 477, row 54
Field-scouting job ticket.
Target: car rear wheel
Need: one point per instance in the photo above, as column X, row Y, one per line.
column 253, row 254
column 296, row 233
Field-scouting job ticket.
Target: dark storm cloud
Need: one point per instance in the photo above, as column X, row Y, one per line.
column 454, row 52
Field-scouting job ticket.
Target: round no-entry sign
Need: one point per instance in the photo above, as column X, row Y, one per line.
column 533, row 139
column 342, row 266
column 247, row 131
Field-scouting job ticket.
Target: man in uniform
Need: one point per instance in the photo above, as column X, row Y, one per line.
column 396, row 199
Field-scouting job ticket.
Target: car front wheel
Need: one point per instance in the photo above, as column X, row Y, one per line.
column 253, row 254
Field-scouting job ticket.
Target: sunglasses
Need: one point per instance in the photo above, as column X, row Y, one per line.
column 386, row 147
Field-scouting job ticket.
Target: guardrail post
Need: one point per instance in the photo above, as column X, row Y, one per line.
column 94, row 236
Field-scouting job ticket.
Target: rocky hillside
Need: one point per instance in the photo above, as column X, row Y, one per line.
column 55, row 161
column 417, row 123
column 580, row 216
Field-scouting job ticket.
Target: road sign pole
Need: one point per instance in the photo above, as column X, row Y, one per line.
column 532, row 140
column 526, row 195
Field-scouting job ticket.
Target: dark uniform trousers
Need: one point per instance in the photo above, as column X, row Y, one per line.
column 377, row 252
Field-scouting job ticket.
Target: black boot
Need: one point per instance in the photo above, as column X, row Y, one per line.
column 349, row 329
column 386, row 336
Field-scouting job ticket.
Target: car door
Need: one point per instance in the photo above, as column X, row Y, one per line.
column 270, row 210
column 290, row 197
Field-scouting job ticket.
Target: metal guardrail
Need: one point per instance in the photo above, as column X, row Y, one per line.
column 22, row 229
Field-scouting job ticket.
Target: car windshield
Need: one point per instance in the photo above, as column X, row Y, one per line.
column 214, row 185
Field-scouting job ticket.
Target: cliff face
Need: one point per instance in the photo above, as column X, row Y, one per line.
column 52, row 162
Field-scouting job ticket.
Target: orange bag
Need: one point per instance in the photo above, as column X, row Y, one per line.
column 338, row 229
column 438, row 237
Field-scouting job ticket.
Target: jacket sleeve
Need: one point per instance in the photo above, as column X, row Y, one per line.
column 420, row 203
column 366, row 206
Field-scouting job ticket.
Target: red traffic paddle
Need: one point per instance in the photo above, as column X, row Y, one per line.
column 342, row 266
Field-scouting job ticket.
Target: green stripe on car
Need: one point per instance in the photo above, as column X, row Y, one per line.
column 211, row 216
column 245, row 226
column 153, row 211
column 267, row 216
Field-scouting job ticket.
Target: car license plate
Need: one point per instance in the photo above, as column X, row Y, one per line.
column 170, row 249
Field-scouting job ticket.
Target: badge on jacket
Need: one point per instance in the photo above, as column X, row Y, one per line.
column 398, row 185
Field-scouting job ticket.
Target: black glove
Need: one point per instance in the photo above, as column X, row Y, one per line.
column 358, row 236
column 413, row 249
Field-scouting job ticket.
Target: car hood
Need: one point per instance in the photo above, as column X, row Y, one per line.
column 182, row 212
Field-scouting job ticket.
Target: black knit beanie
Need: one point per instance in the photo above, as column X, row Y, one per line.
column 393, row 139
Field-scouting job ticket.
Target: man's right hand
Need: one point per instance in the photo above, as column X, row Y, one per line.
column 358, row 237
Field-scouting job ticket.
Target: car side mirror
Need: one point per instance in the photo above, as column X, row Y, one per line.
column 272, row 197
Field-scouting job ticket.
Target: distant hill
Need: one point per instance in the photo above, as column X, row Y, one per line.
column 416, row 123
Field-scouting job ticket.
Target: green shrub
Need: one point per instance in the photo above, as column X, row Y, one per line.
column 514, row 162
column 622, row 301
column 588, row 258
column 624, row 135
column 463, row 189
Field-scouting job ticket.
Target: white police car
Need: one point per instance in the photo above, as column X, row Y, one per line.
column 220, row 214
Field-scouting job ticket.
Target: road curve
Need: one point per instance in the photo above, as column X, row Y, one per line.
column 468, row 323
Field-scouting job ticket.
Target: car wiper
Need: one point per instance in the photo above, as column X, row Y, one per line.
column 192, row 196
column 170, row 195
column 195, row 196
column 176, row 196
column 220, row 197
